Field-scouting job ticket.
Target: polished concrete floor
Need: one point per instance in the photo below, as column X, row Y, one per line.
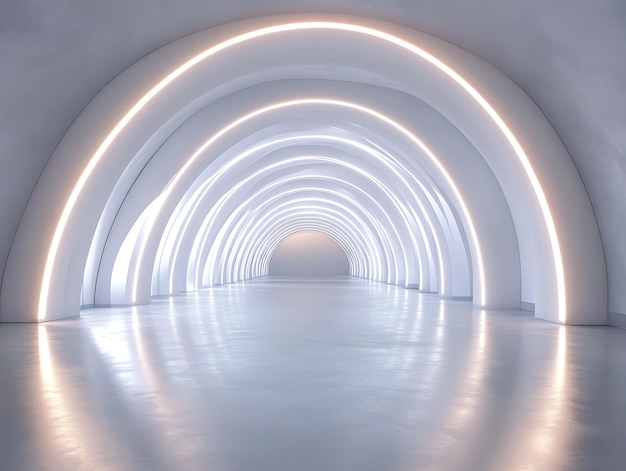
column 321, row 375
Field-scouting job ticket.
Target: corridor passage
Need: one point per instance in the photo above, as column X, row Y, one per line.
column 291, row 374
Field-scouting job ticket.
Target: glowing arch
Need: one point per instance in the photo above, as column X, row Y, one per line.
column 579, row 233
column 210, row 218
column 207, row 145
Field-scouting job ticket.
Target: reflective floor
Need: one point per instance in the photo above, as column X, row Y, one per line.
column 298, row 375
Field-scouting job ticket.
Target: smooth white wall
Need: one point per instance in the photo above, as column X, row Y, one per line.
column 309, row 253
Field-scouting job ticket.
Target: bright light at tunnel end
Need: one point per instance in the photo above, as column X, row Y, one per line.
column 80, row 184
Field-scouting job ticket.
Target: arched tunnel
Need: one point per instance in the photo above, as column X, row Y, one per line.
column 431, row 168
column 268, row 196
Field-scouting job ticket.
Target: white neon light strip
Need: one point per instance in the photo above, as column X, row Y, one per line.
column 212, row 215
column 234, row 215
column 388, row 121
column 355, row 168
column 281, row 164
column 351, row 244
column 238, row 238
column 243, row 206
column 361, row 246
column 373, row 220
column 331, row 217
column 313, row 25
column 391, row 261
column 205, row 187
column 317, row 101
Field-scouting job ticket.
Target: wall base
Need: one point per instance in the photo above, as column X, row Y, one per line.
column 617, row 320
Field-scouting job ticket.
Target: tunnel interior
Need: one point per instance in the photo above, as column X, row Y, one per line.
column 425, row 165
column 309, row 254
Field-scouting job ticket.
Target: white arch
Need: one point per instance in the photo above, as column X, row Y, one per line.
column 559, row 229
column 234, row 212
column 206, row 145
column 264, row 256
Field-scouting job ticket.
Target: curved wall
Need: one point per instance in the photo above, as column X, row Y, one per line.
column 508, row 197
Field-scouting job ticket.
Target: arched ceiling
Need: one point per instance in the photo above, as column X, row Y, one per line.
column 58, row 66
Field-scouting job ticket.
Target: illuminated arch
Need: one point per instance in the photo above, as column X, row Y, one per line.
column 205, row 146
column 53, row 239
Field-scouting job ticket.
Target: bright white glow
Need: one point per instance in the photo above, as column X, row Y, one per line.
column 123, row 259
column 349, row 105
column 258, row 264
column 153, row 213
column 218, row 206
column 379, row 228
column 287, row 225
column 403, row 208
column 231, row 162
column 385, row 161
column 385, row 119
column 330, row 218
column 327, row 223
column 235, row 214
column 241, row 237
column 239, row 158
column 315, row 25
column 265, row 251
column 335, row 194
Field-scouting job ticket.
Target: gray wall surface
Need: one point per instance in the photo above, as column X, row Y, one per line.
column 309, row 254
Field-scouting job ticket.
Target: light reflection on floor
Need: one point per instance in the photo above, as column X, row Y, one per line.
column 287, row 374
